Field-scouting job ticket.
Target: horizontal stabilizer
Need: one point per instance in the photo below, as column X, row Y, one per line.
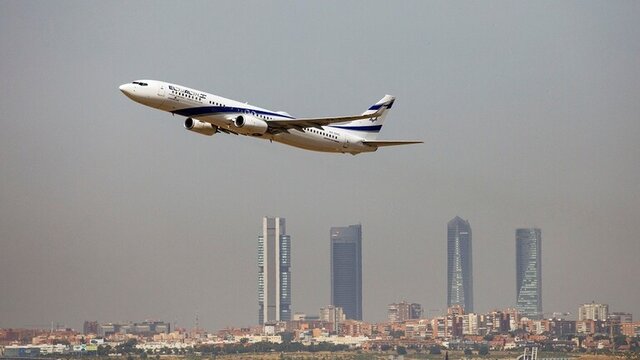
column 379, row 143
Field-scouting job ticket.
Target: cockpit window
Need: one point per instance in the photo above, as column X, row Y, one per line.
column 139, row 83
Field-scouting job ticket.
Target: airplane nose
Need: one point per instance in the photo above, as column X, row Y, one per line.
column 124, row 88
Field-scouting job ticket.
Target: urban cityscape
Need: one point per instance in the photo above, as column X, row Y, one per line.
column 339, row 326
column 144, row 219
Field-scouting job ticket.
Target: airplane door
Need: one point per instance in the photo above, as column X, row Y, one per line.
column 161, row 90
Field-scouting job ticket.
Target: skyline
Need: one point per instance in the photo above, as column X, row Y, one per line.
column 528, row 111
column 528, row 250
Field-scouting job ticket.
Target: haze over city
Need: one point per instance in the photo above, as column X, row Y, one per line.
column 111, row 211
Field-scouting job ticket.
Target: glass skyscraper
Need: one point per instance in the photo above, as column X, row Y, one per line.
column 459, row 264
column 529, row 272
column 274, row 271
column 346, row 270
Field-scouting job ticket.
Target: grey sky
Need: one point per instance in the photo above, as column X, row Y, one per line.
column 111, row 211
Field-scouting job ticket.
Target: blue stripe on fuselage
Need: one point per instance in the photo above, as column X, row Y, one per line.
column 213, row 110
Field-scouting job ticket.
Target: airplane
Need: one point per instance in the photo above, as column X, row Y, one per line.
column 209, row 114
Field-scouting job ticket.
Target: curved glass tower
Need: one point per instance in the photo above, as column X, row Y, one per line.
column 459, row 265
column 529, row 272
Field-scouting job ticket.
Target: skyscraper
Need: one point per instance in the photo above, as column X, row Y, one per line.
column 529, row 272
column 274, row 271
column 459, row 264
column 346, row 270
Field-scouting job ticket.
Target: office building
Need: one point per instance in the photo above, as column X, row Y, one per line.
column 274, row 271
column 529, row 273
column 459, row 264
column 145, row 328
column 346, row 270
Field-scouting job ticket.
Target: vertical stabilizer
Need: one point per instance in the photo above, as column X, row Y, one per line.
column 369, row 129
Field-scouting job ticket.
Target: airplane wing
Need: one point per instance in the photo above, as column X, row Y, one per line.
column 380, row 143
column 300, row 124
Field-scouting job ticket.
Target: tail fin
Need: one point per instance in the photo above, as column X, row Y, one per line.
column 369, row 129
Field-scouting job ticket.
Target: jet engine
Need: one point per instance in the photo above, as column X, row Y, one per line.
column 249, row 125
column 200, row 127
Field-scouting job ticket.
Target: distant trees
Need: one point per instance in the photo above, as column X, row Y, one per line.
column 287, row 336
column 401, row 350
column 128, row 347
column 435, row 350
column 264, row 346
column 104, row 350
column 483, row 350
column 620, row 340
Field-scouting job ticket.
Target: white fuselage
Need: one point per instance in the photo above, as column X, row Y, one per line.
column 221, row 113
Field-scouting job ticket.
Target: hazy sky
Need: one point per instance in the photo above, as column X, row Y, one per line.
column 111, row 211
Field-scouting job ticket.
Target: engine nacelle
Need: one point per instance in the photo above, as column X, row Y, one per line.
column 200, row 127
column 249, row 125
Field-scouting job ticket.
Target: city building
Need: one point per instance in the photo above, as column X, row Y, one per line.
column 592, row 327
column 403, row 311
column 145, row 328
column 529, row 273
column 332, row 314
column 90, row 327
column 621, row 317
column 346, row 270
column 562, row 327
column 470, row 324
column 459, row 264
column 593, row 311
column 274, row 272
column 457, row 310
column 514, row 317
column 631, row 329
column 354, row 328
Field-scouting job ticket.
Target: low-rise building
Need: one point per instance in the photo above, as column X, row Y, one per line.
column 631, row 329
